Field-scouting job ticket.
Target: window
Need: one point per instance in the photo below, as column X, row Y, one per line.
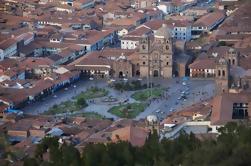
column 240, row 111
column 167, row 47
column 219, row 73
column 167, row 63
column 143, row 47
column 223, row 73
column 144, row 63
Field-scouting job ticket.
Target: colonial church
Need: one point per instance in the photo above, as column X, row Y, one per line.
column 156, row 55
column 152, row 58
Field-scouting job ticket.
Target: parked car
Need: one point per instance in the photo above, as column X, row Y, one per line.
column 157, row 111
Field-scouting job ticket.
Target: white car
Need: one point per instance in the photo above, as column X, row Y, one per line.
column 125, row 79
column 139, row 79
column 112, row 80
column 91, row 78
column 157, row 111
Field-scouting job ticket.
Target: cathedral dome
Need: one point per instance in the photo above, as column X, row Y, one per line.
column 163, row 32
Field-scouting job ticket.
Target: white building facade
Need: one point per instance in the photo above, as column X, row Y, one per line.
column 129, row 44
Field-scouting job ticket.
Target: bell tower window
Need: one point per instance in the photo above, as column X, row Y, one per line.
column 223, row 73
column 219, row 73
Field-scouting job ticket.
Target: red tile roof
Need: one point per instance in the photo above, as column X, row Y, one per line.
column 223, row 106
column 203, row 64
column 209, row 19
column 135, row 135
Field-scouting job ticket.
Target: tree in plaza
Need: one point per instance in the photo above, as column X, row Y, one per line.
column 81, row 102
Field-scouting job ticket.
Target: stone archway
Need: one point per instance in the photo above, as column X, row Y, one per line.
column 155, row 73
column 137, row 73
column 121, row 75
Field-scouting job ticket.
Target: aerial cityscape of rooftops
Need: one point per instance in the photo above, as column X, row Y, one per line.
column 125, row 82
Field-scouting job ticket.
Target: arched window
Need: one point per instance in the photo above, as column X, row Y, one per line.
column 219, row 73
column 223, row 73
column 143, row 47
column 144, row 63
column 167, row 63
column 233, row 61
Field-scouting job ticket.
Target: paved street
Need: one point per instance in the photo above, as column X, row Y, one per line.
column 198, row 90
column 60, row 96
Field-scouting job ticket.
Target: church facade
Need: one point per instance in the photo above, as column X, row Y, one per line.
column 156, row 55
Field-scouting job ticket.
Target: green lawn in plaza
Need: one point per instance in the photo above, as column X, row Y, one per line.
column 92, row 93
column 128, row 110
column 147, row 94
column 92, row 115
column 78, row 101
column 64, row 107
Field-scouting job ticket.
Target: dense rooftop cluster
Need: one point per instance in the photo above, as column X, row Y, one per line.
column 50, row 46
